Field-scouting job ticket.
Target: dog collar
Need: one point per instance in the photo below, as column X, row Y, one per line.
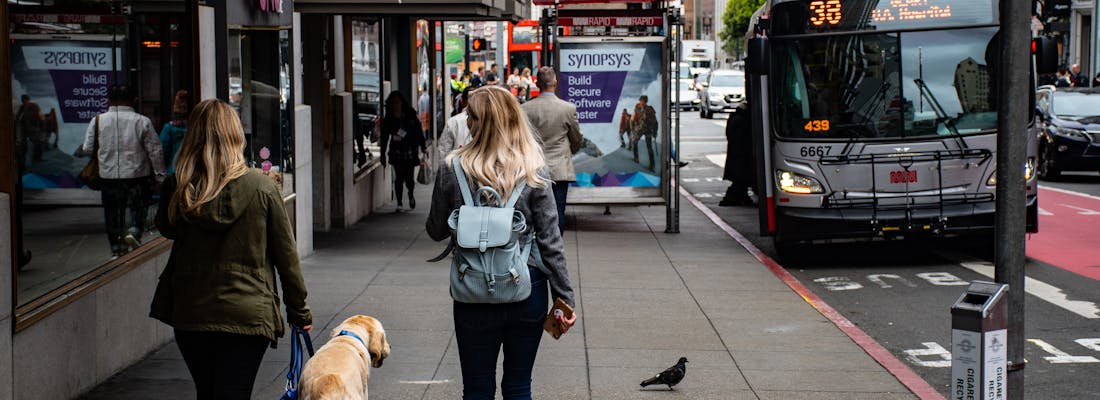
column 348, row 333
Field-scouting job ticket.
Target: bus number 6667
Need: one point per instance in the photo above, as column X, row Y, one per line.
column 815, row 151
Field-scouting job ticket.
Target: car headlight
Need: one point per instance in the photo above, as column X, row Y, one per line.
column 1072, row 134
column 791, row 182
column 1029, row 171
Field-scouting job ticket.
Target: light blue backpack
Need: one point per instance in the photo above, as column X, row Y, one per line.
column 491, row 246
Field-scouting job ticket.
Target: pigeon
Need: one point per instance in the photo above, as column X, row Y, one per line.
column 670, row 376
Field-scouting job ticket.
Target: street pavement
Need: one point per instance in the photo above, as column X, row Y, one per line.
column 645, row 298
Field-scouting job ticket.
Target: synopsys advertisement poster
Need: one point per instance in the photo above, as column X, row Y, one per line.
column 616, row 87
column 58, row 87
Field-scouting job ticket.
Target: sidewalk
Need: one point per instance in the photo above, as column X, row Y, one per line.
column 645, row 299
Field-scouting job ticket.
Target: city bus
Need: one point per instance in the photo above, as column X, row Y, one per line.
column 877, row 119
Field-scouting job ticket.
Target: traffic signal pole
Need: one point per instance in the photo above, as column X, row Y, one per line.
column 1012, row 137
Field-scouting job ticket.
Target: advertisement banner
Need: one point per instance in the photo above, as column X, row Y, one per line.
column 617, row 88
column 58, row 87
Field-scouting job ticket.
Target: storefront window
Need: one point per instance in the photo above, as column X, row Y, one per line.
column 366, row 89
column 259, row 88
column 65, row 57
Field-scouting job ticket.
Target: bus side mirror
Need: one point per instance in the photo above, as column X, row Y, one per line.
column 757, row 63
column 1044, row 49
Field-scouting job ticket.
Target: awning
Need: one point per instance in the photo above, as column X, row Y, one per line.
column 512, row 10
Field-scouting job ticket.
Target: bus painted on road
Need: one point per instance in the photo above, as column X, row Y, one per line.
column 877, row 119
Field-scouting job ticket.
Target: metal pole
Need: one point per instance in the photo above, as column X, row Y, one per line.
column 1011, row 196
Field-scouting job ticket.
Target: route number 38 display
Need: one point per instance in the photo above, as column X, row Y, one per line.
column 825, row 12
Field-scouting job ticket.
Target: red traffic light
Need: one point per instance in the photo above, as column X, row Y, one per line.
column 478, row 44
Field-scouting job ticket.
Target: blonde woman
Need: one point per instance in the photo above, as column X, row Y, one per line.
column 231, row 237
column 525, row 83
column 502, row 152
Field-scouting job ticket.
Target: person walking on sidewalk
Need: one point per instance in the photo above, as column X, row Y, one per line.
column 739, row 160
column 502, row 153
column 456, row 133
column 131, row 162
column 231, row 239
column 402, row 142
column 555, row 123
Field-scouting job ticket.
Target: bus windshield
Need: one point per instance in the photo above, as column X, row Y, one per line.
column 884, row 85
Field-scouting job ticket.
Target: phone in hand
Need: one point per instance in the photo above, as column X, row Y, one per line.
column 552, row 325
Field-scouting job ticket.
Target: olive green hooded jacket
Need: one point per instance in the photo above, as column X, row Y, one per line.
column 220, row 276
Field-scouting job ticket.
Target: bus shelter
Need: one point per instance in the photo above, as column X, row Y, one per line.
column 620, row 67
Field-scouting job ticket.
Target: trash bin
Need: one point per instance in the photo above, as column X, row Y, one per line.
column 979, row 342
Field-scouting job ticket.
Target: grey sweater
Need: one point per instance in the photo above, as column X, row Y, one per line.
column 536, row 204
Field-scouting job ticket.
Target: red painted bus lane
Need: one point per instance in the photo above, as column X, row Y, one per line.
column 1069, row 227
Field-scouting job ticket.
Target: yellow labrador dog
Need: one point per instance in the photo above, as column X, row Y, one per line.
column 340, row 369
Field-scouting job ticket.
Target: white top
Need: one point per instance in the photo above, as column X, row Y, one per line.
column 455, row 135
column 513, row 80
column 128, row 145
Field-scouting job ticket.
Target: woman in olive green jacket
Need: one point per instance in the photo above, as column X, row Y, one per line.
column 231, row 236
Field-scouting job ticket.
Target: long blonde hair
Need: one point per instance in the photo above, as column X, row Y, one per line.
column 212, row 155
column 502, row 149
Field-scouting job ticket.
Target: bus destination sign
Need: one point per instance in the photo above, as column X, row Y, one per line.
column 831, row 15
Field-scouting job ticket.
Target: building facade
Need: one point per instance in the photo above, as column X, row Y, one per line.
column 308, row 101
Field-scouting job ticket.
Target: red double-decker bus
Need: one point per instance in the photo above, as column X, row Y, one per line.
column 524, row 45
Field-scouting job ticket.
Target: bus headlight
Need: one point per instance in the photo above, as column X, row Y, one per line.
column 791, row 182
column 1029, row 171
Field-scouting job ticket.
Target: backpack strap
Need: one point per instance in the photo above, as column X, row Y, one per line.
column 463, row 184
column 514, row 197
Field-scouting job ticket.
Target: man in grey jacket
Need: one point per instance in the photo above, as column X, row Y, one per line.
column 555, row 123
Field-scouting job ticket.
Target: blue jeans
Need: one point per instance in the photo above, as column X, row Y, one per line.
column 481, row 331
column 561, row 191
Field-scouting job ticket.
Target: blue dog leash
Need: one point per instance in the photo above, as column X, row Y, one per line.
column 297, row 336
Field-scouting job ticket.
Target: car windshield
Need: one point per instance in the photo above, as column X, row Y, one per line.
column 727, row 81
column 884, row 85
column 1076, row 105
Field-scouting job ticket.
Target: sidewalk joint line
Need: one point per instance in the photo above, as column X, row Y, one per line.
column 438, row 366
column 580, row 305
column 917, row 385
column 700, row 306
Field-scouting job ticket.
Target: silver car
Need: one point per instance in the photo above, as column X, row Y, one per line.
column 722, row 92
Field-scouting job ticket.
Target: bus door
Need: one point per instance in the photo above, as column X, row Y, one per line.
column 757, row 69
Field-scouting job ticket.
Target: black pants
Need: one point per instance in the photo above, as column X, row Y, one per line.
column 223, row 365
column 404, row 175
column 482, row 330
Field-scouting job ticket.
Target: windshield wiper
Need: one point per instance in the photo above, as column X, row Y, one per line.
column 948, row 122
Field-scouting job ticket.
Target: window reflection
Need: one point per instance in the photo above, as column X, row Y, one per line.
column 366, row 90
column 61, row 73
column 259, row 89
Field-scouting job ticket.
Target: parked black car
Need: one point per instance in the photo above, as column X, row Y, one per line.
column 1068, row 121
